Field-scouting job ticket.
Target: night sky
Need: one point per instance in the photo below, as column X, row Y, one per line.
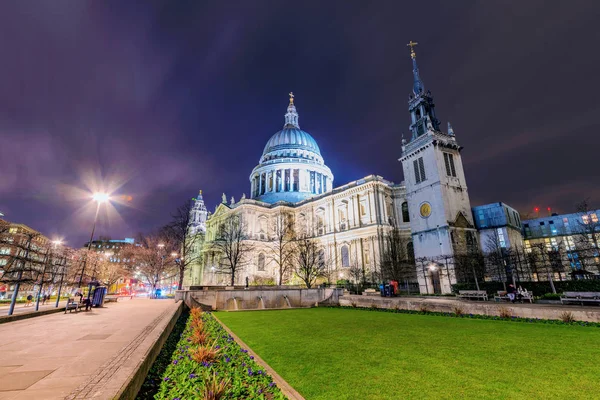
column 165, row 98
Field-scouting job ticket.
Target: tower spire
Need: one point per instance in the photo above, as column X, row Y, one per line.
column 291, row 117
column 418, row 86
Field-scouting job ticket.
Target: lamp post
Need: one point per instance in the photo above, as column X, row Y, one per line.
column 62, row 265
column 178, row 263
column 99, row 198
column 158, row 275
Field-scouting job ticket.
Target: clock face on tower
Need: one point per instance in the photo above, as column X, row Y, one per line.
column 425, row 210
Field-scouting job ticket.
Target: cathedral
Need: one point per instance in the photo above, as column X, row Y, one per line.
column 430, row 209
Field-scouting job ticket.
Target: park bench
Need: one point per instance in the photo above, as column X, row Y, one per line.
column 109, row 299
column 370, row 292
column 472, row 294
column 502, row 295
column 73, row 305
column 580, row 297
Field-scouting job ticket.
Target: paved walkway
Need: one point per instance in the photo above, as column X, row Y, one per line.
column 88, row 355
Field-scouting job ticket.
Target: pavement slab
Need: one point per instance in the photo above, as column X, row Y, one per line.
column 79, row 356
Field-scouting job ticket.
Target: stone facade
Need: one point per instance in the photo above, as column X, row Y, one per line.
column 348, row 222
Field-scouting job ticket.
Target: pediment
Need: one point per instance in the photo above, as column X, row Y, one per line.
column 461, row 221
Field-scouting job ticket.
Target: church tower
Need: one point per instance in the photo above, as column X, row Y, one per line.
column 198, row 216
column 436, row 190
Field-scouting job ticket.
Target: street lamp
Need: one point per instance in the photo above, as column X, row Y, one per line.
column 99, row 198
column 62, row 265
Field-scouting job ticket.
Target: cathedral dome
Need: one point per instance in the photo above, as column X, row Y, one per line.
column 291, row 167
column 291, row 138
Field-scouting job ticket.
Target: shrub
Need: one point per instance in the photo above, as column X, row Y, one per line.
column 504, row 312
column 424, row 308
column 205, row 354
column 353, row 304
column 538, row 288
column 567, row 317
column 197, row 324
column 551, row 296
column 199, row 337
column 214, row 388
column 458, row 310
column 196, row 313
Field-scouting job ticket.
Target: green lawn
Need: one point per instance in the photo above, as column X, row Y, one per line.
column 330, row 354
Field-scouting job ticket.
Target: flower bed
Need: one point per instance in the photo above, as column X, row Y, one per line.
column 209, row 364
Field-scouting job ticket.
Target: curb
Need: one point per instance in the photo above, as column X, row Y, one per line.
column 130, row 389
column 17, row 317
column 285, row 387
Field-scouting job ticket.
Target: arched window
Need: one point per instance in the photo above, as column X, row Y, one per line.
column 410, row 252
column 261, row 262
column 405, row 216
column 345, row 257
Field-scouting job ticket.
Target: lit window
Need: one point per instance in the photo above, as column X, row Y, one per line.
column 345, row 256
column 261, row 262
column 363, row 209
column 585, row 219
column 594, row 218
column 501, row 237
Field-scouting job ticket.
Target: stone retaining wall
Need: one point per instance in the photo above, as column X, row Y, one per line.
column 252, row 299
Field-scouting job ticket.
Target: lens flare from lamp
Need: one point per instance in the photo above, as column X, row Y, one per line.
column 101, row 197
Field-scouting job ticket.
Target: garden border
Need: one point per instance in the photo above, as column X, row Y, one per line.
column 473, row 316
column 285, row 387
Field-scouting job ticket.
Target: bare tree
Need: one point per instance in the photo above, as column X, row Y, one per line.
column 151, row 259
column 310, row 263
column 469, row 266
column 497, row 258
column 283, row 245
column 25, row 259
column 540, row 256
column 396, row 262
column 188, row 243
column 109, row 273
column 588, row 236
column 232, row 246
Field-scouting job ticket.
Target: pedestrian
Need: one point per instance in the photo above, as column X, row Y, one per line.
column 44, row 299
column 29, row 298
column 510, row 292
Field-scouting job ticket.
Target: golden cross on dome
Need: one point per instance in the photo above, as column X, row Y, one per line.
column 412, row 44
column 291, row 98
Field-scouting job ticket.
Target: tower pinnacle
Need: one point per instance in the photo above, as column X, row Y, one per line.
column 291, row 117
column 418, row 86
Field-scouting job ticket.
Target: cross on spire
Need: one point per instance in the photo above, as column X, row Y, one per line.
column 412, row 45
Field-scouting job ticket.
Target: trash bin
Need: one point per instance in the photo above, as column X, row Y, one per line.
column 388, row 291
column 98, row 298
column 382, row 290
